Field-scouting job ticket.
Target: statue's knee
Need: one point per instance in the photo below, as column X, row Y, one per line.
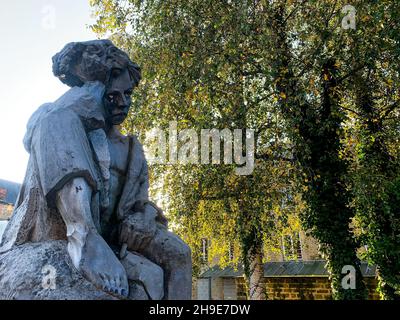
column 181, row 255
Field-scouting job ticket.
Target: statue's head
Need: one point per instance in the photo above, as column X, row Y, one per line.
column 99, row 60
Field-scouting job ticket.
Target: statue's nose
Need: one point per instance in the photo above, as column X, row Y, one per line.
column 123, row 103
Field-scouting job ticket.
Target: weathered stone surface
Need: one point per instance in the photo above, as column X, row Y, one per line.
column 29, row 282
column 142, row 270
column 85, row 195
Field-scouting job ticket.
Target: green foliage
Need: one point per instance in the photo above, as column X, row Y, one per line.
column 372, row 137
column 323, row 102
column 198, row 70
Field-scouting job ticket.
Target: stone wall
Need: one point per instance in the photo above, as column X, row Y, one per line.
column 203, row 289
column 221, row 289
column 230, row 289
column 217, row 289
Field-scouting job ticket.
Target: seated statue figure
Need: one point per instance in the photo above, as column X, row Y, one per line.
column 83, row 209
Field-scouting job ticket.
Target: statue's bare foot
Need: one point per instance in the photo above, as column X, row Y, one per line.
column 100, row 266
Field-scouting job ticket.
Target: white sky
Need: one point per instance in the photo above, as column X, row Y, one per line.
column 31, row 32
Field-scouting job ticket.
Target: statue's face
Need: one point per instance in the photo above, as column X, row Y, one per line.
column 117, row 97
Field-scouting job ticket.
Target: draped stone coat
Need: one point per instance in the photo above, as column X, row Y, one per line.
column 65, row 140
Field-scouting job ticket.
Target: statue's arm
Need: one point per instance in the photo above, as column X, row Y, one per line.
column 139, row 226
column 143, row 204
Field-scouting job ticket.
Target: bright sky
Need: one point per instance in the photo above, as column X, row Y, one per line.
column 31, row 32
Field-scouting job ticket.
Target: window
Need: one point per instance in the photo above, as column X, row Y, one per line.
column 299, row 246
column 204, row 249
column 231, row 251
column 291, row 247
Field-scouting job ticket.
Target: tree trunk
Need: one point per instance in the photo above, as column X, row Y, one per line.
column 256, row 276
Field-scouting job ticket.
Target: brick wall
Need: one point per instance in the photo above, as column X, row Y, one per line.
column 241, row 288
column 372, row 284
column 296, row 288
column 301, row 288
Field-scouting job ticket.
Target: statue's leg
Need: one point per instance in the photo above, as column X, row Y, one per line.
column 146, row 273
column 174, row 256
column 89, row 252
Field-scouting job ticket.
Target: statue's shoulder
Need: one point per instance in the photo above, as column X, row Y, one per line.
column 71, row 108
column 48, row 112
column 42, row 112
column 86, row 101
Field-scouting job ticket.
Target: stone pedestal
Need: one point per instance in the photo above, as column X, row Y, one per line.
column 44, row 271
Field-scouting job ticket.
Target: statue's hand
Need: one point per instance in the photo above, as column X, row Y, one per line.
column 161, row 218
column 138, row 228
column 144, row 205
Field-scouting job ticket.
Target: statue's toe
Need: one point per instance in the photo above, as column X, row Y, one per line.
column 119, row 282
column 120, row 285
column 125, row 288
column 113, row 284
column 105, row 282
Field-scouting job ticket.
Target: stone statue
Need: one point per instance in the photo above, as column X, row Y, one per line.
column 83, row 226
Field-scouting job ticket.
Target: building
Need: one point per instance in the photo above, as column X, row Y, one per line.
column 297, row 273
column 284, row 280
column 8, row 196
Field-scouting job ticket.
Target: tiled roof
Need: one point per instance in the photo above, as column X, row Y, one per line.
column 12, row 190
column 314, row 268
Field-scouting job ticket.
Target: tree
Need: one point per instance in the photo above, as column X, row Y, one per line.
column 322, row 100
column 315, row 120
column 373, row 137
column 198, row 71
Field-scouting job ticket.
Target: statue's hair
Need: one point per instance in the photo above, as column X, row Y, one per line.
column 80, row 62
